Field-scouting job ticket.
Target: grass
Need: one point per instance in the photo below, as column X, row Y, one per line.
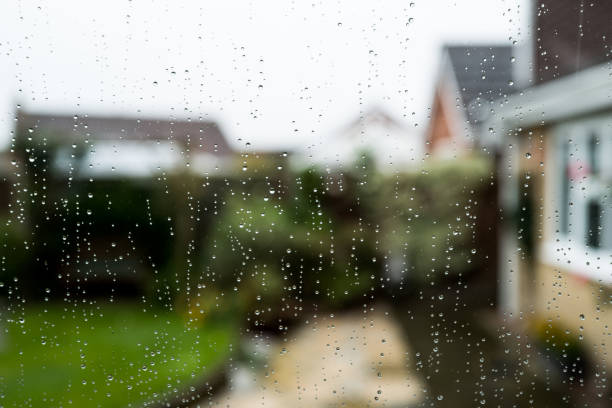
column 104, row 355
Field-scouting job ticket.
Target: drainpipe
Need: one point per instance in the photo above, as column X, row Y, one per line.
column 508, row 269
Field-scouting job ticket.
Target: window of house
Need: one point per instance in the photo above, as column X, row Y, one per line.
column 584, row 181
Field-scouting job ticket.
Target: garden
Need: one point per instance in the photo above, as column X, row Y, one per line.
column 136, row 292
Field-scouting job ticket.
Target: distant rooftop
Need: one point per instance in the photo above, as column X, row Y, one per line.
column 374, row 115
column 483, row 72
column 390, row 143
column 197, row 136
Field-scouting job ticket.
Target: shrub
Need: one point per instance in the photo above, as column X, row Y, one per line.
column 15, row 251
column 561, row 346
column 429, row 218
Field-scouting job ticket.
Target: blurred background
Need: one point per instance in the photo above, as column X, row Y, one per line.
column 281, row 204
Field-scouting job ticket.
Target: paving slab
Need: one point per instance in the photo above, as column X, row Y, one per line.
column 348, row 360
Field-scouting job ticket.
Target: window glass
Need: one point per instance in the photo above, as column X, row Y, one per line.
column 305, row 204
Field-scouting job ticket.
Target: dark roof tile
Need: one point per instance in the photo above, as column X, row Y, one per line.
column 483, row 72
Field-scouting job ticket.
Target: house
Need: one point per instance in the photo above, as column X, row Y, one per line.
column 113, row 147
column 468, row 77
column 570, row 36
column 386, row 140
column 555, row 174
column 116, row 189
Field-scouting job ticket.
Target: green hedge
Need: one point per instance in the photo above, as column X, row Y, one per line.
column 429, row 217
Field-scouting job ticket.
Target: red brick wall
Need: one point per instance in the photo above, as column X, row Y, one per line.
column 439, row 130
column 570, row 35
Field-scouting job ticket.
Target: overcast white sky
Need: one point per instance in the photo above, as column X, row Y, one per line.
column 275, row 73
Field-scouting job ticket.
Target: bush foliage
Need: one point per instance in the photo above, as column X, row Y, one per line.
column 267, row 237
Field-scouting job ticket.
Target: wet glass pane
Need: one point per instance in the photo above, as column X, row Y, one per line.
column 305, row 204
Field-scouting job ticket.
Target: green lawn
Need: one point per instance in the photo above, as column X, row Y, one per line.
column 104, row 355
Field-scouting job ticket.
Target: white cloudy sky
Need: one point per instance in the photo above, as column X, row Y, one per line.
column 275, row 73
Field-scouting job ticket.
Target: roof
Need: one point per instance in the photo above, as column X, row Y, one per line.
column 481, row 73
column 198, row 136
column 373, row 115
column 578, row 94
column 392, row 145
